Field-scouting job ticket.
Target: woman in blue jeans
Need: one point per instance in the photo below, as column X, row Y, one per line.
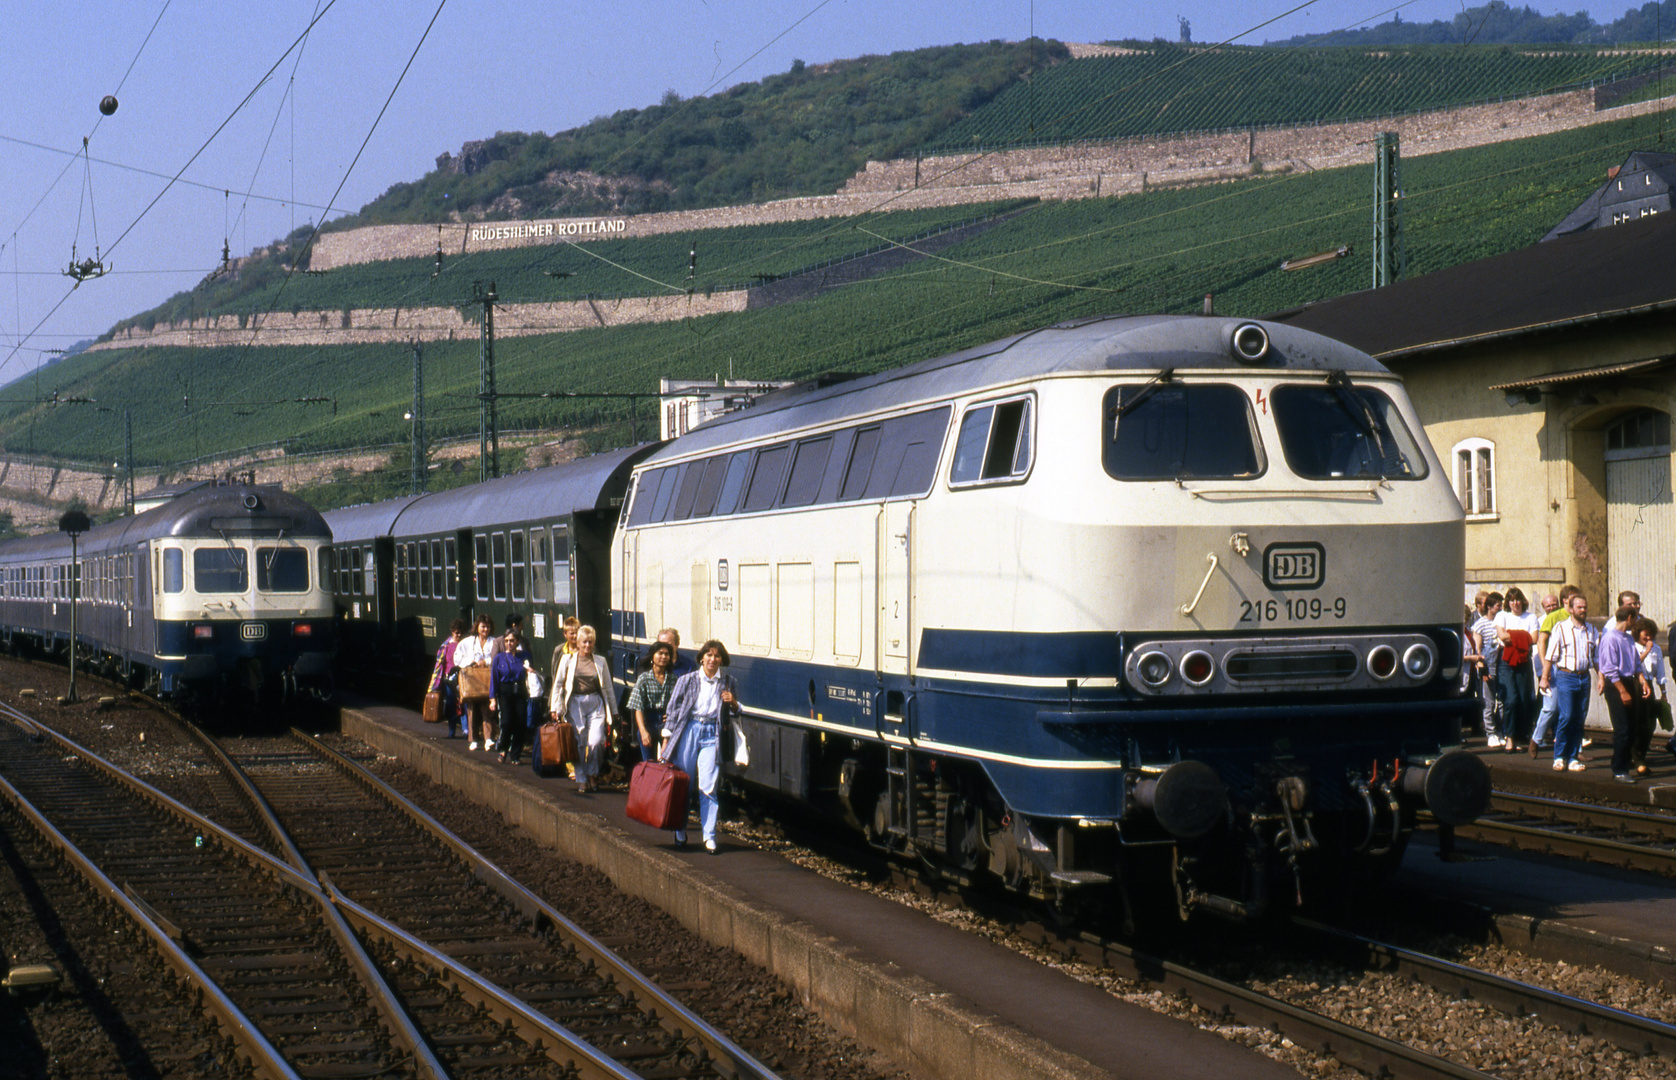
column 700, row 706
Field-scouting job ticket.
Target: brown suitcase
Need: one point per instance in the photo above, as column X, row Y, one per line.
column 558, row 744
column 433, row 707
column 476, row 683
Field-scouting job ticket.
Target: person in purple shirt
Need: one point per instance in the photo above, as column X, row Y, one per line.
column 1620, row 674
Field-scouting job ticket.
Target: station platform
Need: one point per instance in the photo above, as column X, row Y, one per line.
column 1621, row 920
column 945, row 1003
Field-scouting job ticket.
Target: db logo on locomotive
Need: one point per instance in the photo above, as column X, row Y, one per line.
column 1294, row 566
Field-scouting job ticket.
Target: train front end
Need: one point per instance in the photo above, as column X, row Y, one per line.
column 1243, row 592
column 243, row 602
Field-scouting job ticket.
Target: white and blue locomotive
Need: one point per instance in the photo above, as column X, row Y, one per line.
column 216, row 594
column 1121, row 600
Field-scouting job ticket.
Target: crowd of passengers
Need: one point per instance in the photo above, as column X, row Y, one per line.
column 1535, row 673
column 677, row 711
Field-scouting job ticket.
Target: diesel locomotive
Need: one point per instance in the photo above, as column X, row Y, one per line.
column 1116, row 610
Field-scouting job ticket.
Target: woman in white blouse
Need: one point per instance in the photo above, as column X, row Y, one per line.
column 478, row 649
column 582, row 694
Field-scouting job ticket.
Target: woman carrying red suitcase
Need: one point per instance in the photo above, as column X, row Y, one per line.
column 701, row 703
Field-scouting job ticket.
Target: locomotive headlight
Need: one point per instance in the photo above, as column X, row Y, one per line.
column 1154, row 669
column 1249, row 344
column 1382, row 662
column 1197, row 667
column 303, row 629
column 203, row 631
column 1419, row 661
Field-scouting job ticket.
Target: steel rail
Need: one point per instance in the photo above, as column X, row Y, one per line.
column 397, row 1022
column 1631, row 1031
column 547, row 1035
column 383, row 998
column 1364, row 1050
column 1554, row 840
column 1660, row 826
column 260, row 1055
column 671, row 1015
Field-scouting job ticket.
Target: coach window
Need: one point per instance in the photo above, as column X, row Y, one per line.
column 450, row 561
column 497, row 547
column 425, row 589
column 412, row 568
column 369, row 571
column 766, row 478
column 401, row 570
column 438, row 570
column 541, row 566
column 220, row 570
column 174, row 570
column 1168, row 431
column 519, row 558
column 282, row 570
column 807, row 468
column 561, row 564
column 480, row 548
column 994, row 443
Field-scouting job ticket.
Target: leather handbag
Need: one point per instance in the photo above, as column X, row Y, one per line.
column 476, row 684
column 658, row 795
column 433, row 707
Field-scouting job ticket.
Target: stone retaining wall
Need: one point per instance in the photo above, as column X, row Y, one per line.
column 383, row 325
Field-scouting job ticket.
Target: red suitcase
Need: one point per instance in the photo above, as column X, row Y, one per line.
column 658, row 795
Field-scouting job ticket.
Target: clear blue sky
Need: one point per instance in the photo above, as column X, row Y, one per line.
column 487, row 66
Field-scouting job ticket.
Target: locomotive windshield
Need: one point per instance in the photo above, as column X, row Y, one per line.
column 220, row 570
column 1340, row 431
column 282, row 570
column 1168, row 431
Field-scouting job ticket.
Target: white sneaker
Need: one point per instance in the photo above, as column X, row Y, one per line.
column 490, row 745
column 1493, row 742
column 1586, row 742
column 473, row 746
column 1576, row 766
column 1559, row 766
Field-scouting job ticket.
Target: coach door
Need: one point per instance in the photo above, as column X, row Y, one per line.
column 627, row 586
column 142, row 616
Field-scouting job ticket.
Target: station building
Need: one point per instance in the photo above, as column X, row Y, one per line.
column 1546, row 378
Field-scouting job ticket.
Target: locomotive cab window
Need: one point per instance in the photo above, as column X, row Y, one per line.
column 993, row 444
column 1344, row 432
column 174, row 570
column 283, row 570
column 220, row 570
column 1172, row 431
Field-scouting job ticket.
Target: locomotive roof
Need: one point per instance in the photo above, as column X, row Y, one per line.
column 580, row 486
column 1138, row 344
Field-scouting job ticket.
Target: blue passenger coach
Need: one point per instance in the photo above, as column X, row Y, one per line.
column 216, row 594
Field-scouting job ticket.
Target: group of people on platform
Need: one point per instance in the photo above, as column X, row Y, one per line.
column 1535, row 674
column 677, row 711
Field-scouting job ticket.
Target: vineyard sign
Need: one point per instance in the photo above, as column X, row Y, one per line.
column 531, row 230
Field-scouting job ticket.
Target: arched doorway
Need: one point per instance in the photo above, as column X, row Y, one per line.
column 1640, row 517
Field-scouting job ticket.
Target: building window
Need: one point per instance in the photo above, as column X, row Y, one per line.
column 1642, row 433
column 1475, row 476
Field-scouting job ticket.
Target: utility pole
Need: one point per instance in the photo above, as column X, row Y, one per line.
column 488, row 432
column 420, row 465
column 128, row 455
column 1387, row 216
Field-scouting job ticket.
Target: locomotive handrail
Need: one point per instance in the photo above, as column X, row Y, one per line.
column 1187, row 608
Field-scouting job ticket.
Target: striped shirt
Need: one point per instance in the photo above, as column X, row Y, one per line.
column 1572, row 647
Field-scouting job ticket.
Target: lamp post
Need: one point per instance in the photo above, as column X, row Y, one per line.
column 75, row 523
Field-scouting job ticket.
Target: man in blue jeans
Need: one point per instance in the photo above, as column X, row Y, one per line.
column 1566, row 666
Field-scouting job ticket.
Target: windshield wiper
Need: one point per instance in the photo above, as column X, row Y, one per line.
column 1163, row 378
column 1360, row 411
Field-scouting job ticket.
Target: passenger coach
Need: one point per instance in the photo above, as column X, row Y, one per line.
column 217, row 592
column 1162, row 600
column 537, row 543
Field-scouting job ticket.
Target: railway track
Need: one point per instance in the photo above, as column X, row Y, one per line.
column 268, row 942
column 1610, row 836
